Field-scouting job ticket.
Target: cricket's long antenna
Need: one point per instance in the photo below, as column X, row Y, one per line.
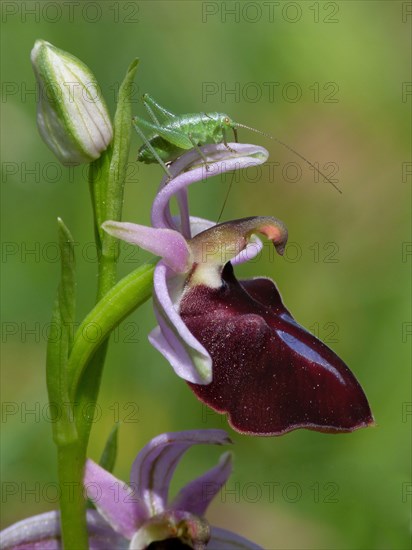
column 225, row 201
column 292, row 150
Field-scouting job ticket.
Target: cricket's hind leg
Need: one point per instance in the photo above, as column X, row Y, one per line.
column 136, row 121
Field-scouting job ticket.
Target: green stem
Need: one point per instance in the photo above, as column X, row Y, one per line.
column 106, row 276
column 71, row 460
column 107, row 179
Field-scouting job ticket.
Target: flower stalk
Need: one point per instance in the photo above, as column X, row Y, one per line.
column 70, row 463
column 71, row 435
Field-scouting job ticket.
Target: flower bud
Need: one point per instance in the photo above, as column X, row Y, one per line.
column 72, row 116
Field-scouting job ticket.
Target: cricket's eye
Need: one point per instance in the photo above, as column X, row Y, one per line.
column 227, row 120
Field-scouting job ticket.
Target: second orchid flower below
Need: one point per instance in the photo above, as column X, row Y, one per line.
column 234, row 342
column 141, row 515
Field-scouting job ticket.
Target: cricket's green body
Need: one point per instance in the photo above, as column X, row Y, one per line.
column 197, row 128
column 171, row 135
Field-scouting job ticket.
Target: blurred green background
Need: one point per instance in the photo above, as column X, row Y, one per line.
column 327, row 78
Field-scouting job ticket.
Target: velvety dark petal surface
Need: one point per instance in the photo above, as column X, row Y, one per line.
column 269, row 374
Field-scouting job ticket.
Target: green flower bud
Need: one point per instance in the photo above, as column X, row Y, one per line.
column 72, row 116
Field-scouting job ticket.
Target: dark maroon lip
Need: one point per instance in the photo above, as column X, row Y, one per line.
column 270, row 375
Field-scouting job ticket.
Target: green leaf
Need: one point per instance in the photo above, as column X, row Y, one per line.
column 121, row 144
column 128, row 294
column 122, row 126
column 60, row 342
column 109, row 454
column 67, row 286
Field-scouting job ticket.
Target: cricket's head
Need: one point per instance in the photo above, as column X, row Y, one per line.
column 227, row 122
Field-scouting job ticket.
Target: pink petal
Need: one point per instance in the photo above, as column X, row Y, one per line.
column 155, row 464
column 166, row 243
column 115, row 501
column 187, row 356
column 42, row 529
column 196, row 496
column 42, row 532
column 220, row 160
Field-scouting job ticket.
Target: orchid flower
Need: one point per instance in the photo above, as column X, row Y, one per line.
column 139, row 516
column 234, row 342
